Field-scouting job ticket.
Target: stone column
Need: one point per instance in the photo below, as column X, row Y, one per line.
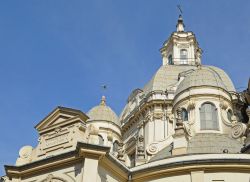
column 90, row 169
column 91, row 156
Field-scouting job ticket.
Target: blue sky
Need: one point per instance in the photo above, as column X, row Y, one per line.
column 59, row 52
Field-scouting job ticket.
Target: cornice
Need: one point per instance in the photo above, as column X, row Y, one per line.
column 82, row 151
column 184, row 164
column 142, row 107
column 174, row 165
column 186, row 168
column 116, row 167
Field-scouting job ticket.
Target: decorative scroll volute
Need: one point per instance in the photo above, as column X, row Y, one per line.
column 152, row 149
column 238, row 130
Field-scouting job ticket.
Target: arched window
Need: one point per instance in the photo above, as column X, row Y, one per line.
column 115, row 146
column 209, row 117
column 184, row 114
column 170, row 60
column 101, row 141
column 229, row 115
column 184, row 56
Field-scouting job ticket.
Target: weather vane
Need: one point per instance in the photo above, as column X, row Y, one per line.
column 179, row 7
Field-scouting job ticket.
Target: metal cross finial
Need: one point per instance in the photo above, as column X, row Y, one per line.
column 104, row 87
column 103, row 101
column 179, row 7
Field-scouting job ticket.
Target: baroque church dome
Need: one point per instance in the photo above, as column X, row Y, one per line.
column 206, row 76
column 167, row 76
column 103, row 112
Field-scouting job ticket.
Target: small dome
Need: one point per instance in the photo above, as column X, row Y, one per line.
column 201, row 77
column 103, row 112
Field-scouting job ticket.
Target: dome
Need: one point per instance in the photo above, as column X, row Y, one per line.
column 103, row 112
column 167, row 75
column 206, row 76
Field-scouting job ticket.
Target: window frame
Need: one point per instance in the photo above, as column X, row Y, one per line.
column 183, row 57
column 170, row 60
column 186, row 117
column 214, row 118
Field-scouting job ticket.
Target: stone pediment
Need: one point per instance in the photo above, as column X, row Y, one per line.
column 59, row 117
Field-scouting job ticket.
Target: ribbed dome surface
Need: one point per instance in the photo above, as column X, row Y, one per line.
column 103, row 112
column 201, row 77
column 167, row 75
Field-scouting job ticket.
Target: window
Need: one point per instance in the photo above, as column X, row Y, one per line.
column 101, row 141
column 170, row 60
column 229, row 115
column 184, row 56
column 115, row 146
column 209, row 117
column 184, row 114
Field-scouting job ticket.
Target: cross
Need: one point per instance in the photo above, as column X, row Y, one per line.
column 179, row 7
column 104, row 87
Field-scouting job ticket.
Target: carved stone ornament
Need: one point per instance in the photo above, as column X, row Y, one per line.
column 148, row 117
column 58, row 130
column 140, row 147
column 179, row 122
column 110, row 136
column 120, row 154
column 248, row 114
column 187, row 128
column 25, row 155
column 25, row 152
column 225, row 119
column 171, row 118
column 93, row 130
column 238, row 130
column 158, row 115
column 51, row 178
column 223, row 105
column 152, row 149
column 191, row 105
column 5, row 179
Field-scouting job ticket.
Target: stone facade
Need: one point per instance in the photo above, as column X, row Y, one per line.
column 187, row 124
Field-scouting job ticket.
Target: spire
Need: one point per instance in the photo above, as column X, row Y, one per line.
column 180, row 25
column 103, row 101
